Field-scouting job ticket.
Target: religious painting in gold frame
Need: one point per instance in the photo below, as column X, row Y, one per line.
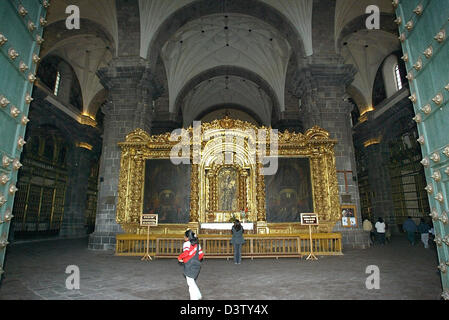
column 167, row 190
column 348, row 216
column 139, row 146
column 289, row 191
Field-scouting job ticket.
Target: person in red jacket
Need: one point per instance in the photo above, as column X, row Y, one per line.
column 191, row 257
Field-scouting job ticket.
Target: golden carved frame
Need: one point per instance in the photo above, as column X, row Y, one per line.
column 139, row 146
column 211, row 196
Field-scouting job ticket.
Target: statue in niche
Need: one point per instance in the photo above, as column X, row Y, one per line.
column 227, row 189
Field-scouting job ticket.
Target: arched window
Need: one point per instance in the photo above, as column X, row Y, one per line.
column 60, row 78
column 58, row 81
column 397, row 77
column 392, row 73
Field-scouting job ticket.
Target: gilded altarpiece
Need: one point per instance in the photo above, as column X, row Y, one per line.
column 225, row 159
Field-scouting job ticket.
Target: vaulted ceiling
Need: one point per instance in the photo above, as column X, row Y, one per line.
column 153, row 14
column 363, row 48
column 231, row 39
column 192, row 37
column 86, row 54
column 87, row 49
column 231, row 90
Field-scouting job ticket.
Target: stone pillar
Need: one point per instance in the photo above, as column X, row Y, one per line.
column 79, row 163
column 161, row 127
column 324, row 88
column 290, row 122
column 125, row 112
column 379, row 181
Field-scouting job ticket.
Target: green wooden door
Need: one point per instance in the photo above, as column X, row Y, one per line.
column 21, row 25
column 424, row 30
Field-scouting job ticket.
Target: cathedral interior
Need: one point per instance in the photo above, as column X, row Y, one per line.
column 160, row 65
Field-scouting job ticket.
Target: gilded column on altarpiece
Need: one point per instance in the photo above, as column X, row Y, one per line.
column 260, row 195
column 136, row 187
column 125, row 171
column 194, row 193
column 243, row 199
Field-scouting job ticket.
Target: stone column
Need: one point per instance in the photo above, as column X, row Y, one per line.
column 290, row 122
column 125, row 112
column 79, row 163
column 379, row 181
column 324, row 89
column 161, row 127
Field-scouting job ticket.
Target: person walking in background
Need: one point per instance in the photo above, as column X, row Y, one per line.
column 409, row 226
column 237, row 240
column 380, row 230
column 423, row 229
column 191, row 257
column 431, row 232
column 368, row 228
column 387, row 233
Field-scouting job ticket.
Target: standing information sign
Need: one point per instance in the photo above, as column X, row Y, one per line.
column 148, row 220
column 310, row 219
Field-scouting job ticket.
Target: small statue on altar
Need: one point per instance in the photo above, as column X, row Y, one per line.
column 244, row 214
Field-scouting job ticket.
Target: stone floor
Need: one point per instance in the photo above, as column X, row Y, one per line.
column 36, row 270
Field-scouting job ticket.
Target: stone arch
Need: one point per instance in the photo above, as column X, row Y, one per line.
column 68, row 92
column 386, row 68
column 365, row 50
column 103, row 13
column 98, row 101
column 357, row 97
column 231, row 71
column 56, row 33
column 198, row 9
column 86, row 50
column 386, row 24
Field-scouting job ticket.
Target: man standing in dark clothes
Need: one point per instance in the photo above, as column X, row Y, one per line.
column 423, row 229
column 409, row 226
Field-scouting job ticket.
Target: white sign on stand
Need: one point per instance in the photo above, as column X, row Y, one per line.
column 310, row 219
column 148, row 220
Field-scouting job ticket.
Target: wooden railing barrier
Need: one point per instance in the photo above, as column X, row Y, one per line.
column 219, row 246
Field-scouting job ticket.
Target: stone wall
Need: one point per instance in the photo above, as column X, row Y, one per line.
column 126, row 80
column 79, row 160
column 387, row 123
